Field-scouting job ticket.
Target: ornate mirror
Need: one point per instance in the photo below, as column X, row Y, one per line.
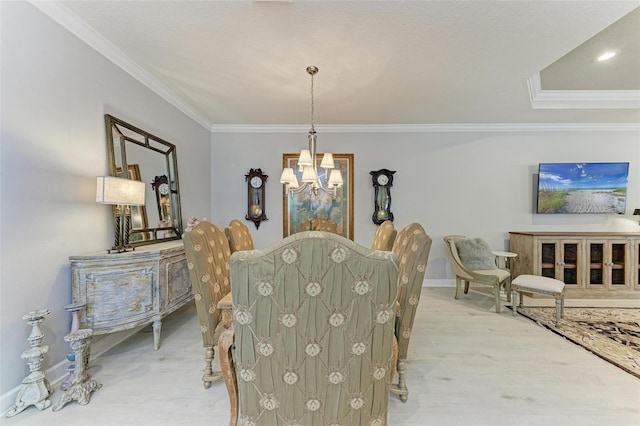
column 152, row 160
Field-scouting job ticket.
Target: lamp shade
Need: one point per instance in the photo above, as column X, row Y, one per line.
column 327, row 161
column 113, row 190
column 335, row 178
column 309, row 174
column 288, row 177
column 305, row 158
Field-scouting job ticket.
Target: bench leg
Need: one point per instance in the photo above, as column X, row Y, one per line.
column 559, row 301
column 513, row 302
column 497, row 297
column 521, row 296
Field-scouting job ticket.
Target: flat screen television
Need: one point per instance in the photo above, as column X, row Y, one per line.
column 582, row 187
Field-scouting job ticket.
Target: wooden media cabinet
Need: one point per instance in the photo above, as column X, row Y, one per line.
column 591, row 264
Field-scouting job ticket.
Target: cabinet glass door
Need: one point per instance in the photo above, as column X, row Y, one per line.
column 561, row 260
column 570, row 262
column 608, row 264
column 618, row 264
column 596, row 262
column 637, row 263
column 548, row 256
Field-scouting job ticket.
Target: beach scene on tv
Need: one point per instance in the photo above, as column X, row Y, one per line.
column 582, row 187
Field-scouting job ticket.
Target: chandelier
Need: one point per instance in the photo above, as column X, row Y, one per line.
column 328, row 180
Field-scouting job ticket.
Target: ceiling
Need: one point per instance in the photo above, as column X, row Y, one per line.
column 241, row 63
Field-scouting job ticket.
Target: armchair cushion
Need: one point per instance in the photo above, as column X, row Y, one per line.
column 475, row 254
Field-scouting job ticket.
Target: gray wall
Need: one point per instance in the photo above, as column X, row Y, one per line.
column 55, row 92
column 476, row 184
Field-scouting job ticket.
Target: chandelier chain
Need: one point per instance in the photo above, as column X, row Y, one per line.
column 312, row 103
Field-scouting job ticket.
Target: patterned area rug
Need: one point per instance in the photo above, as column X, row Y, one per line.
column 611, row 333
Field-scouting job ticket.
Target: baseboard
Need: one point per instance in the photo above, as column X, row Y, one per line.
column 441, row 282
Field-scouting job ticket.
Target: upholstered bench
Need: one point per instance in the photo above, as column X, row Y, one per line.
column 539, row 285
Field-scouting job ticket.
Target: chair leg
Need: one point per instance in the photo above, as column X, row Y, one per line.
column 225, row 343
column 466, row 287
column 209, row 376
column 394, row 361
column 458, row 285
column 507, row 289
column 521, row 297
column 401, row 388
column 497, row 297
column 208, row 369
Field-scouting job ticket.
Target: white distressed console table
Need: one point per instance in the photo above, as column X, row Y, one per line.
column 127, row 290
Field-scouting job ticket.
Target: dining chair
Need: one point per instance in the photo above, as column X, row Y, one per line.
column 384, row 237
column 207, row 251
column 313, row 317
column 239, row 236
column 412, row 245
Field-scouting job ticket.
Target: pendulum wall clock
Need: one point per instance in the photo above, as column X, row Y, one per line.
column 256, row 182
column 382, row 182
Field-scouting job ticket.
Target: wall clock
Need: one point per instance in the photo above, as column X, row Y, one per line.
column 256, row 182
column 382, row 182
column 163, row 191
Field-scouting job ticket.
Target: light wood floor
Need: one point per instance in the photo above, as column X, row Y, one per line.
column 468, row 366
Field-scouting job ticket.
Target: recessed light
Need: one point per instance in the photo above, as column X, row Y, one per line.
column 607, row 55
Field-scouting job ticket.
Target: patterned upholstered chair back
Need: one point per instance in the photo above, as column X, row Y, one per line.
column 313, row 318
column 384, row 237
column 239, row 236
column 412, row 245
column 317, row 224
column 208, row 254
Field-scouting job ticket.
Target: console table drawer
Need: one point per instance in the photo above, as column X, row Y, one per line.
column 127, row 297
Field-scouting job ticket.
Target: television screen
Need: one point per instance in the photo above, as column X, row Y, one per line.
column 582, row 187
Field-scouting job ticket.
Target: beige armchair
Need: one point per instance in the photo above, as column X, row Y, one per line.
column 412, row 246
column 384, row 237
column 490, row 275
column 239, row 236
column 208, row 253
column 314, row 330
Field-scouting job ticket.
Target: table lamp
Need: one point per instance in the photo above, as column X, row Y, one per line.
column 122, row 193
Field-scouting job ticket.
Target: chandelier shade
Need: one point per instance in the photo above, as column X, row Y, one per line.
column 305, row 158
column 311, row 180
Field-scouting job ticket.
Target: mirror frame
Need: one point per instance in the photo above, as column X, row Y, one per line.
column 154, row 235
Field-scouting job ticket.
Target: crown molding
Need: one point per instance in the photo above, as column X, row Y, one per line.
column 430, row 128
column 580, row 99
column 554, row 99
column 76, row 26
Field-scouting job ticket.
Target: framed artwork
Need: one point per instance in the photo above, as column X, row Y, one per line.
column 302, row 210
